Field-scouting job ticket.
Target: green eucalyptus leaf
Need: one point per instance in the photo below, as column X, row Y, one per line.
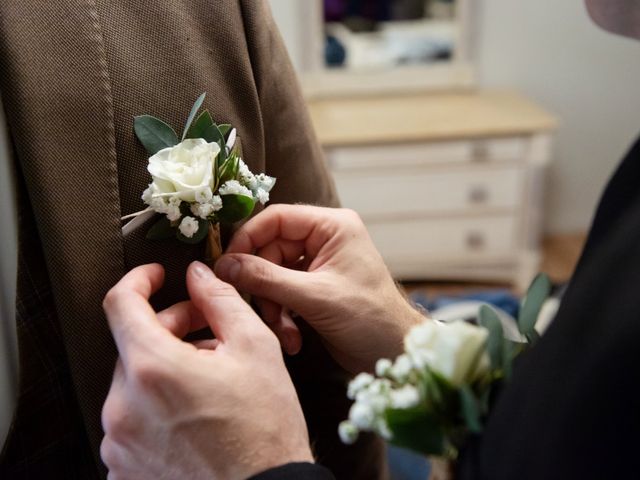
column 161, row 230
column 192, row 115
column 417, row 430
column 203, row 229
column 470, row 409
column 489, row 319
column 235, row 208
column 536, row 296
column 203, row 128
column 154, row 134
column 225, row 128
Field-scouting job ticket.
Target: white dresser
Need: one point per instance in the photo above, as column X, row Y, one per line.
column 451, row 186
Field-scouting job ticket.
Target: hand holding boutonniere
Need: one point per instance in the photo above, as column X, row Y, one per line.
column 199, row 181
column 440, row 391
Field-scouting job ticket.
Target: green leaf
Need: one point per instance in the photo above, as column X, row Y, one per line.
column 536, row 295
column 225, row 128
column 154, row 134
column 235, row 208
column 203, row 229
column 416, row 429
column 489, row 319
column 161, row 230
column 203, row 128
column 470, row 409
column 192, row 115
column 229, row 170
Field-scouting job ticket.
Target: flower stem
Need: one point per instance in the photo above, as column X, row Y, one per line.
column 214, row 244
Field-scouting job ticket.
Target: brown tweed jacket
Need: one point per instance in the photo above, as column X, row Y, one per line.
column 73, row 73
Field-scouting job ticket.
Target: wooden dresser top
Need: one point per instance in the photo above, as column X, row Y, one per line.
column 426, row 117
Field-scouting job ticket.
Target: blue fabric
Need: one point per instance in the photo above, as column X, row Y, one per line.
column 500, row 298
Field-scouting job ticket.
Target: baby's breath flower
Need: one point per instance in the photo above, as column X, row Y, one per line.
column 173, row 212
column 202, row 210
column 383, row 366
column 405, row 397
column 361, row 381
column 262, row 196
column 188, row 227
column 362, row 416
column 234, row 187
column 216, row 203
column 246, row 177
column 348, row 432
column 401, row 368
column 204, row 195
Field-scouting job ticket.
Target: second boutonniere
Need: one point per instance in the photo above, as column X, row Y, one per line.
column 199, row 181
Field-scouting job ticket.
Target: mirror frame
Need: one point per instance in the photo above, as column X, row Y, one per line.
column 318, row 81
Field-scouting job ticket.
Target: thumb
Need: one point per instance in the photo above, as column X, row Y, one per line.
column 228, row 315
column 259, row 277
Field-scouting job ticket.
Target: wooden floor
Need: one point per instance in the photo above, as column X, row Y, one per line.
column 560, row 256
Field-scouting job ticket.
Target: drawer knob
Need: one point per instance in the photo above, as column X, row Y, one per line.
column 480, row 152
column 475, row 240
column 478, row 195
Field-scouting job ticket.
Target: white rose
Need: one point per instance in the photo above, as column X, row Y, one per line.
column 189, row 226
column 455, row 350
column 184, row 170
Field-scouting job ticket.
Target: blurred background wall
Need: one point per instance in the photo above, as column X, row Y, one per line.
column 551, row 52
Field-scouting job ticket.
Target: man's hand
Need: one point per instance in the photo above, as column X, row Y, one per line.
column 223, row 409
column 321, row 264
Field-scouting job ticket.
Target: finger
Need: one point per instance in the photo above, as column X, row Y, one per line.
column 131, row 318
column 208, row 344
column 181, row 319
column 281, row 324
column 228, row 315
column 290, row 288
column 311, row 225
column 282, row 252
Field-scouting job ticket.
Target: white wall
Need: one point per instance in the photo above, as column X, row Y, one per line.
column 550, row 51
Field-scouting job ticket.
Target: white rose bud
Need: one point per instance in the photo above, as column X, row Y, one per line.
column 455, row 350
column 189, row 227
column 184, row 170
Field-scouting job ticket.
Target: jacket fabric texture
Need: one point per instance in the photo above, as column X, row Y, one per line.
column 73, row 74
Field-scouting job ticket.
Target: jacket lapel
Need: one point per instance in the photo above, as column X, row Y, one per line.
column 58, row 101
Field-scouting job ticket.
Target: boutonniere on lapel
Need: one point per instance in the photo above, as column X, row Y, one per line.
column 199, row 181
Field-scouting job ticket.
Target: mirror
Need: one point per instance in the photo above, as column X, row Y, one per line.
column 383, row 34
column 369, row 47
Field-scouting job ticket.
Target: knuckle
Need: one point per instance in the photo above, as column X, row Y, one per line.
column 146, row 374
column 115, row 421
column 108, row 453
column 262, row 276
column 110, row 298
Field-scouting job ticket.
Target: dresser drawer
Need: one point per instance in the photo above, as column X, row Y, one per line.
column 430, row 153
column 438, row 238
column 383, row 194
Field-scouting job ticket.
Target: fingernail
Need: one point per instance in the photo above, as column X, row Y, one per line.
column 228, row 268
column 200, row 270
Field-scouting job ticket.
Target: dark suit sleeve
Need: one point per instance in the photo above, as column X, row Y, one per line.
column 292, row 154
column 295, row 471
